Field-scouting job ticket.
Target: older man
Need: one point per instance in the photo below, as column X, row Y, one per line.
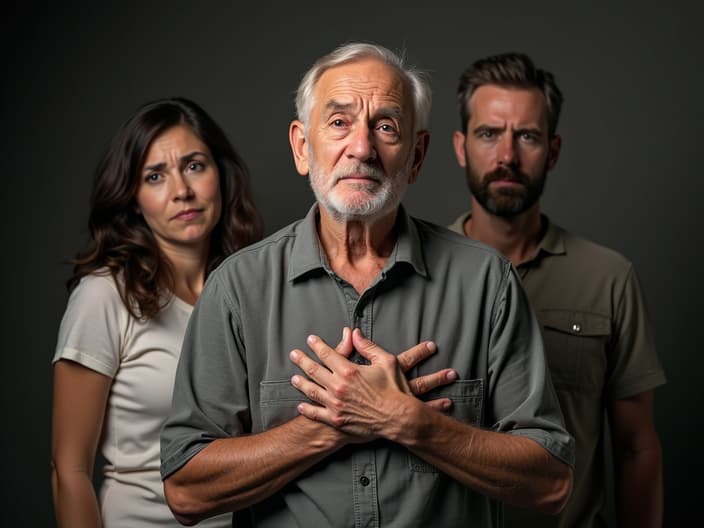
column 338, row 436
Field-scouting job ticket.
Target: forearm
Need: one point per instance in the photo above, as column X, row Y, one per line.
column 75, row 502
column 510, row 468
column 234, row 473
column 78, row 406
column 637, row 461
column 639, row 489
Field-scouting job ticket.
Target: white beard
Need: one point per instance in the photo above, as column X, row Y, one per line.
column 369, row 201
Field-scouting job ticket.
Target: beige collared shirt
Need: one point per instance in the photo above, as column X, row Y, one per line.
column 599, row 346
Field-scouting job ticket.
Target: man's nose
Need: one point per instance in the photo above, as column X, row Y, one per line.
column 507, row 154
column 362, row 144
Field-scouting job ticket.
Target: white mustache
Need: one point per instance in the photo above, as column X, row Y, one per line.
column 360, row 169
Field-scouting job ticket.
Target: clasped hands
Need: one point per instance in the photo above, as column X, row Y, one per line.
column 364, row 401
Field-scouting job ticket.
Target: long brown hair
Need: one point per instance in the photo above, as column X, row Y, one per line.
column 120, row 239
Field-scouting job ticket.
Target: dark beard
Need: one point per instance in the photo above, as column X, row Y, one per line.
column 505, row 202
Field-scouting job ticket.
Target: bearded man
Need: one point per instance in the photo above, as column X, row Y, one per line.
column 598, row 340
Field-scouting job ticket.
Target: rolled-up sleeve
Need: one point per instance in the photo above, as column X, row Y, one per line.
column 522, row 400
column 210, row 398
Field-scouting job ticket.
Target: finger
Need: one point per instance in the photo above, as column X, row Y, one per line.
column 423, row 384
column 312, row 391
column 414, row 355
column 320, row 414
column 327, row 355
column 310, row 411
column 366, row 348
column 345, row 347
column 441, row 404
column 314, row 370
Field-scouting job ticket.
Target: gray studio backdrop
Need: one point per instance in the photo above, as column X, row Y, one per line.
column 629, row 177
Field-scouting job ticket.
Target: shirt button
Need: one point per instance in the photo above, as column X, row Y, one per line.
column 364, row 481
column 576, row 328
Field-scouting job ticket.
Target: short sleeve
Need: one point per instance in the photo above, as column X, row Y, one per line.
column 635, row 366
column 90, row 332
column 522, row 399
column 210, row 398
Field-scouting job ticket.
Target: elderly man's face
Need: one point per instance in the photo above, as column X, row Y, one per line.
column 361, row 151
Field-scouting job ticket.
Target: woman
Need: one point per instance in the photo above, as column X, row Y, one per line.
column 171, row 200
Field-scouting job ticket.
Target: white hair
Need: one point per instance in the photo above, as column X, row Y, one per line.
column 416, row 79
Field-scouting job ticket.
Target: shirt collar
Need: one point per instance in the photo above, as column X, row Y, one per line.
column 553, row 241
column 409, row 246
column 307, row 255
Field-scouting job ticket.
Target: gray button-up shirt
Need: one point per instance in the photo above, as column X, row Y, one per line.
column 234, row 372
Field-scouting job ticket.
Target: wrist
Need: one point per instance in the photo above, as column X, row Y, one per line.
column 407, row 421
column 319, row 436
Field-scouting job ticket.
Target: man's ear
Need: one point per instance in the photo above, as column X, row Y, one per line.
column 299, row 146
column 554, row 150
column 420, row 151
column 458, row 142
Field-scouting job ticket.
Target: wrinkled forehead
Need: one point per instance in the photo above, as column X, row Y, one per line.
column 499, row 102
column 363, row 84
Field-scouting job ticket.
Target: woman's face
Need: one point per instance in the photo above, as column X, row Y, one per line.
column 179, row 190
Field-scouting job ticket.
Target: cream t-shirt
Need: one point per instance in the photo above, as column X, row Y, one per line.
column 140, row 357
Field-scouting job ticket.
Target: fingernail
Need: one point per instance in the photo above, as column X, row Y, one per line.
column 293, row 355
column 345, row 332
column 431, row 346
column 451, row 376
column 295, row 380
column 446, row 404
column 311, row 339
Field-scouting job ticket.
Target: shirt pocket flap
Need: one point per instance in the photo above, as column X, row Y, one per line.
column 575, row 323
column 278, row 401
column 575, row 349
column 466, row 396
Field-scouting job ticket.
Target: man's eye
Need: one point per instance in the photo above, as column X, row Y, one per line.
column 337, row 123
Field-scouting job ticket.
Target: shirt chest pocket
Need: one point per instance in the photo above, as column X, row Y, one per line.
column 278, row 402
column 575, row 348
column 467, row 397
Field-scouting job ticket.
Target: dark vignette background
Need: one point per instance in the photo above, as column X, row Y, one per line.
column 629, row 176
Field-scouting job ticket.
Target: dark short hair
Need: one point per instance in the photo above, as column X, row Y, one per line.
column 511, row 70
column 120, row 240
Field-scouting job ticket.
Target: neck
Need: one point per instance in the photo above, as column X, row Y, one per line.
column 188, row 269
column 517, row 237
column 357, row 250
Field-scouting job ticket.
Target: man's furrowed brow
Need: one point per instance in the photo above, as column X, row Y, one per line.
column 333, row 106
column 392, row 112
